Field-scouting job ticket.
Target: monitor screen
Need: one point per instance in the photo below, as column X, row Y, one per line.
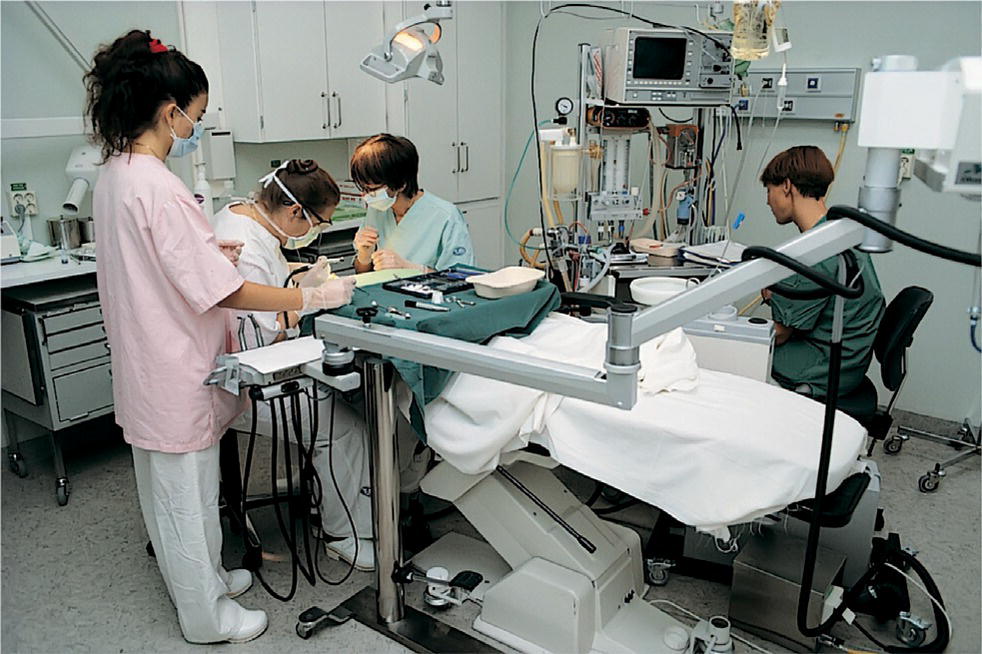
column 657, row 57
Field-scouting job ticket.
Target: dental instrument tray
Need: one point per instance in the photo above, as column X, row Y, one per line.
column 451, row 280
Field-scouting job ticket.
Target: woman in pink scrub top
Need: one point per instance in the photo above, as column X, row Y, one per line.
column 163, row 281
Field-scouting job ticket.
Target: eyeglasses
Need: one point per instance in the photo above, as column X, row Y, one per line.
column 318, row 219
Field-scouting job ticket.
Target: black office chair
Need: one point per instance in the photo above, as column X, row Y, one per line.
column 894, row 336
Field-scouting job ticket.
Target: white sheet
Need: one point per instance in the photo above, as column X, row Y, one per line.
column 712, row 449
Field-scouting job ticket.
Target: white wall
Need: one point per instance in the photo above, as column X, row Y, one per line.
column 945, row 373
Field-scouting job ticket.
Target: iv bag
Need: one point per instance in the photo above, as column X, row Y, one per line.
column 752, row 21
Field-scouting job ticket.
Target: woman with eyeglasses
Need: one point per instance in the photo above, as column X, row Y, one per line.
column 293, row 204
column 405, row 227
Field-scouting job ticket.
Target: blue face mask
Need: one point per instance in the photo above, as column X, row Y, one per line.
column 182, row 146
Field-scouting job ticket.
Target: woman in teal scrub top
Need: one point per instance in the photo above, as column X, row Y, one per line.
column 406, row 227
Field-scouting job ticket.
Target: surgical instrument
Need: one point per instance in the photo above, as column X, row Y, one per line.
column 426, row 306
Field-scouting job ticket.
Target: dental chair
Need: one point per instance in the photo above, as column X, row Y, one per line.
column 573, row 582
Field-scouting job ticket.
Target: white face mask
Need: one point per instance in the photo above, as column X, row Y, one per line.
column 292, row 242
column 379, row 199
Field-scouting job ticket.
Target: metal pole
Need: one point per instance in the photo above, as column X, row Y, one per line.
column 60, row 36
column 384, row 462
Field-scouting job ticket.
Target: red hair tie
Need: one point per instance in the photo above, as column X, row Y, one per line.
column 156, row 46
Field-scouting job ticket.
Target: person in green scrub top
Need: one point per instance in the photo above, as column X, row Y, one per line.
column 405, row 227
column 797, row 181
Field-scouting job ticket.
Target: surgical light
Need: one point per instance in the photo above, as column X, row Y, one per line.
column 408, row 50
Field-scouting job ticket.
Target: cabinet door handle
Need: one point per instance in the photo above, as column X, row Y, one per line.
column 340, row 117
column 325, row 110
column 467, row 158
column 457, row 156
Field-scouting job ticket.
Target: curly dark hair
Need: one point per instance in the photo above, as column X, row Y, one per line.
column 129, row 82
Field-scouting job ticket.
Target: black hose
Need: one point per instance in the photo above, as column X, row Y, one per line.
column 943, row 636
column 821, row 483
column 344, row 505
column 904, row 238
column 852, row 272
column 760, row 252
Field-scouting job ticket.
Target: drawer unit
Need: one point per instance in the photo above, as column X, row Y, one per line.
column 76, row 337
column 72, row 318
column 56, row 330
column 57, row 370
column 83, row 393
column 77, row 355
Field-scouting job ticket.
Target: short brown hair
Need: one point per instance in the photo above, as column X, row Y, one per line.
column 387, row 160
column 311, row 185
column 806, row 166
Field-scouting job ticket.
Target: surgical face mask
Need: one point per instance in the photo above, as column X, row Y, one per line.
column 185, row 146
column 379, row 199
column 293, row 242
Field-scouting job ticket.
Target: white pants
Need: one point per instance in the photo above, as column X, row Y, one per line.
column 179, row 500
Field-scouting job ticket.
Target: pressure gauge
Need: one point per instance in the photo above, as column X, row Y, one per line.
column 564, row 106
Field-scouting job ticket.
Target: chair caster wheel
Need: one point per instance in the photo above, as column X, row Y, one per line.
column 928, row 483
column 303, row 631
column 656, row 571
column 17, row 465
column 62, row 492
column 911, row 631
column 893, row 445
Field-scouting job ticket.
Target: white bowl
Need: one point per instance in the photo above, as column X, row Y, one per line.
column 652, row 290
column 511, row 280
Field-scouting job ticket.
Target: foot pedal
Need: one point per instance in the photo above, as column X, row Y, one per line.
column 315, row 618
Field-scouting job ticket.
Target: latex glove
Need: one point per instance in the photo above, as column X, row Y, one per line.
column 231, row 250
column 766, row 294
column 331, row 294
column 366, row 240
column 319, row 273
column 387, row 259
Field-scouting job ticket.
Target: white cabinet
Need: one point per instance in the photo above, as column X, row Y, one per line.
column 484, row 224
column 457, row 127
column 290, row 70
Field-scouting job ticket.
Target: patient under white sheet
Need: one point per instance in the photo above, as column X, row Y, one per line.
column 710, row 448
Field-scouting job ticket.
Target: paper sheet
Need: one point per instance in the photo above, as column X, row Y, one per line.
column 281, row 355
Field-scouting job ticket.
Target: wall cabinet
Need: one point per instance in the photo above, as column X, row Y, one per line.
column 457, row 127
column 484, row 224
column 290, row 70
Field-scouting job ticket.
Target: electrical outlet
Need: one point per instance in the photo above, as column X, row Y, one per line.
column 767, row 83
column 743, row 104
column 20, row 194
column 787, row 107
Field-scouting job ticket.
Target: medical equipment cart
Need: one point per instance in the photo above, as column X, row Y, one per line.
column 56, row 370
